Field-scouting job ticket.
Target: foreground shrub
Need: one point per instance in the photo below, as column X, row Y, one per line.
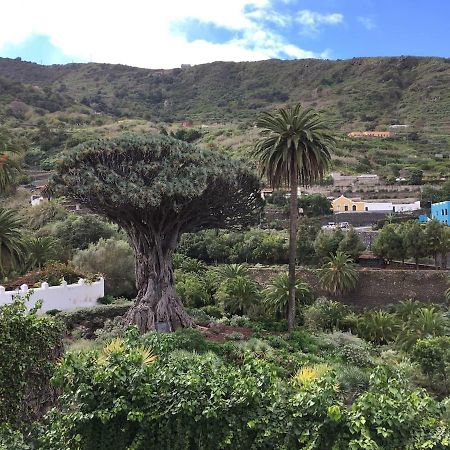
column 392, row 417
column 11, row 439
column 29, row 347
column 433, row 357
column 142, row 394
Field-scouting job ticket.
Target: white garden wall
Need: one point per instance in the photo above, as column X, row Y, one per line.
column 65, row 297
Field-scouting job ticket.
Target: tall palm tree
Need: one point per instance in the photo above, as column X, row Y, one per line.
column 294, row 150
column 11, row 239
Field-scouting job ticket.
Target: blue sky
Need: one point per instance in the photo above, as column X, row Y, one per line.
column 151, row 33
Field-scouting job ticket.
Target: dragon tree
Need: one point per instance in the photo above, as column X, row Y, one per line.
column 156, row 188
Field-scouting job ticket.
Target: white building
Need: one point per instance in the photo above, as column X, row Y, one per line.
column 391, row 206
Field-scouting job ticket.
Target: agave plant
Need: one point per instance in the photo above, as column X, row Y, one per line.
column 338, row 275
column 276, row 294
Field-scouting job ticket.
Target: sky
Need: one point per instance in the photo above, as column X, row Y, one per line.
column 167, row 33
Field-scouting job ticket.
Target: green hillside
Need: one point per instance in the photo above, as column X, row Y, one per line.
column 362, row 91
column 77, row 101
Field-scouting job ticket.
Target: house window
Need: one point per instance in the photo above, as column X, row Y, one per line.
column 442, row 212
column 346, row 208
column 354, row 208
column 367, row 208
column 446, row 211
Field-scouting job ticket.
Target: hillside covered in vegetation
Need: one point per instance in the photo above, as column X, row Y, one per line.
column 52, row 108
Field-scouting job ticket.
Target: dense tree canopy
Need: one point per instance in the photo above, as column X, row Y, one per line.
column 157, row 188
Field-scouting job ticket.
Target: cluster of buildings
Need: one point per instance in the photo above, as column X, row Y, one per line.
column 344, row 204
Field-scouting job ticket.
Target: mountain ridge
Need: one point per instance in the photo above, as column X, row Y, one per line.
column 359, row 92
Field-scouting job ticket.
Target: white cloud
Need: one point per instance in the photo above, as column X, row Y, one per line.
column 312, row 20
column 366, row 22
column 138, row 32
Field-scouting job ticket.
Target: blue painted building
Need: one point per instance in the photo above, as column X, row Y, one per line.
column 441, row 211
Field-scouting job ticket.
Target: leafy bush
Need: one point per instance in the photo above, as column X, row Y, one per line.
column 78, row 231
column 187, row 264
column 338, row 275
column 277, row 295
column 29, row 348
column 324, row 315
column 192, row 289
column 11, row 439
column 122, row 397
column 93, row 318
column 433, row 356
column 350, row 348
column 390, row 416
column 423, row 323
column 114, row 259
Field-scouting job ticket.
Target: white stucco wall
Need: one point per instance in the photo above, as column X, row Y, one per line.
column 65, row 297
column 401, row 207
column 379, row 206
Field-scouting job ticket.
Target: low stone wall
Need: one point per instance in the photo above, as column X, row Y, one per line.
column 377, row 287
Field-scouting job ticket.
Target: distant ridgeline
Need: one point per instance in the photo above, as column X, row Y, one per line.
column 357, row 94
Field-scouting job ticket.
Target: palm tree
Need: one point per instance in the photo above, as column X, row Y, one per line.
column 9, row 161
column 294, row 150
column 276, row 294
column 237, row 295
column 425, row 323
column 379, row 327
column 338, row 275
column 11, row 239
column 41, row 250
column 231, row 271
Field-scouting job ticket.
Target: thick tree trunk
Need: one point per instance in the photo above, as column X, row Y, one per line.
column 157, row 306
column 292, row 246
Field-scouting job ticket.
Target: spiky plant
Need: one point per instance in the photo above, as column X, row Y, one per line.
column 12, row 248
column 309, row 374
column 9, row 160
column 40, row 250
column 425, row 323
column 276, row 294
column 230, row 271
column 338, row 275
column 295, row 149
column 379, row 327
